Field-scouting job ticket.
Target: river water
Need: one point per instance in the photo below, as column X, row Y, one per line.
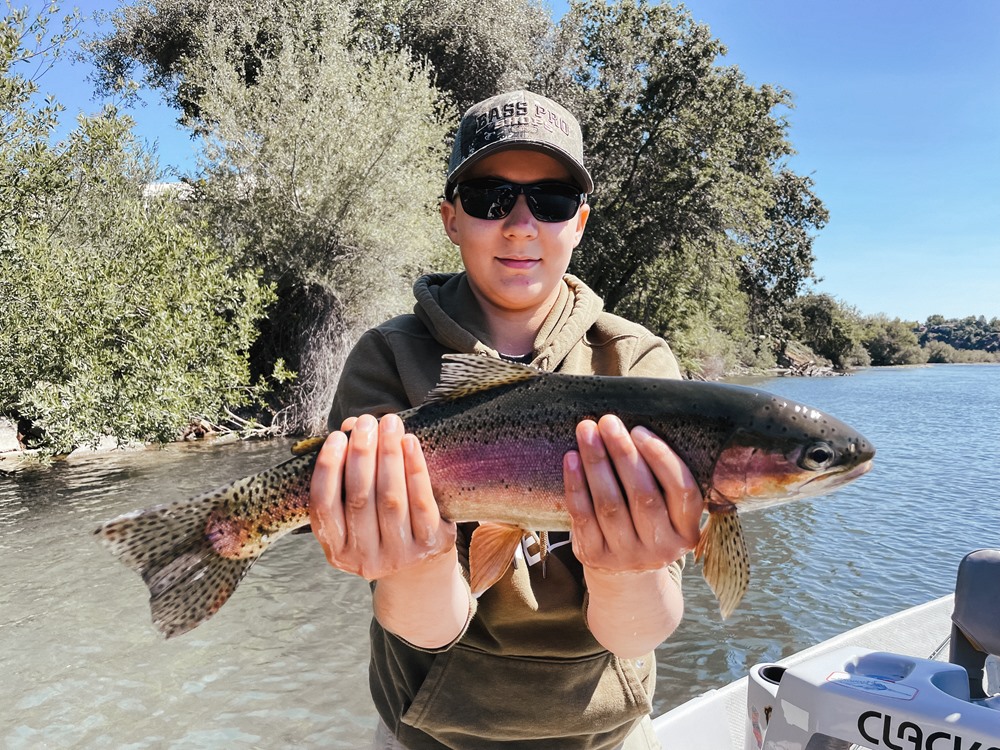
column 284, row 664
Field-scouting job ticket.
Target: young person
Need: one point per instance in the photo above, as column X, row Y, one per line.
column 559, row 657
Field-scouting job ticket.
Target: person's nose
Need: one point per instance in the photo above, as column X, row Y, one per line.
column 520, row 222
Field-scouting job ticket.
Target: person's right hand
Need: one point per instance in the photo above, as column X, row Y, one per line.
column 371, row 505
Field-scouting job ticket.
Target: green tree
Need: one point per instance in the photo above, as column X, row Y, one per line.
column 327, row 169
column 828, row 327
column 692, row 200
column 494, row 46
column 971, row 332
column 31, row 169
column 155, row 39
column 778, row 263
column 122, row 316
column 475, row 49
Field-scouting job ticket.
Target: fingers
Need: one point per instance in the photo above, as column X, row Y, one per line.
column 634, row 503
column 603, row 533
column 360, row 512
column 588, row 539
column 684, row 499
column 371, row 501
column 391, row 504
column 610, row 465
column 326, row 508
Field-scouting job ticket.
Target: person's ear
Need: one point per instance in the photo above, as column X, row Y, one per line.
column 581, row 222
column 449, row 217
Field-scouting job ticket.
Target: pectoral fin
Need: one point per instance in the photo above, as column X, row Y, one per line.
column 490, row 553
column 723, row 552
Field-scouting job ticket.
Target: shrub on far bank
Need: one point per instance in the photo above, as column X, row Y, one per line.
column 891, row 342
column 122, row 316
column 939, row 352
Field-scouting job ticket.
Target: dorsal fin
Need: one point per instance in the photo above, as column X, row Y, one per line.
column 464, row 374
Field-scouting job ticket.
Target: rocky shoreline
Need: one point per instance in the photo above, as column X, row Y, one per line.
column 15, row 456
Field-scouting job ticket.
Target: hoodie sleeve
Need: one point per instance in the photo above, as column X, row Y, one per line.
column 369, row 383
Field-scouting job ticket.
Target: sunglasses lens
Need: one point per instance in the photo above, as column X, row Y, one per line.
column 494, row 199
column 487, row 199
column 553, row 201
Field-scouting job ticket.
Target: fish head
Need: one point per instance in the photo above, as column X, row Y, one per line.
column 785, row 452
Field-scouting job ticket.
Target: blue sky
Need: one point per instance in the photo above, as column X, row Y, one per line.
column 896, row 119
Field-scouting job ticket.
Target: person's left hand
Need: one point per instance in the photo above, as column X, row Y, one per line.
column 634, row 504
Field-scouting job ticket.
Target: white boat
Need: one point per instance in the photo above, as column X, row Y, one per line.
column 926, row 678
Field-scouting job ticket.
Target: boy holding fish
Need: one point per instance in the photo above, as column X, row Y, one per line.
column 551, row 646
column 524, row 558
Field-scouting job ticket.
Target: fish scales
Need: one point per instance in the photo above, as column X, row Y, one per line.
column 494, row 435
column 525, row 429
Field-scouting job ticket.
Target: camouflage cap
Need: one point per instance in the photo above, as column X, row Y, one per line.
column 523, row 120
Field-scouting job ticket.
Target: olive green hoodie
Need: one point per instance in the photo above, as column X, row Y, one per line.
column 526, row 673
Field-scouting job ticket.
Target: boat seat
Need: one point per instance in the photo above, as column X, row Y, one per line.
column 975, row 630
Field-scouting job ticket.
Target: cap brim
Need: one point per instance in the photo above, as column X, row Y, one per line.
column 578, row 172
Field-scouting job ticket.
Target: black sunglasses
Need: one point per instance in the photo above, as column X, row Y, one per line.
column 494, row 199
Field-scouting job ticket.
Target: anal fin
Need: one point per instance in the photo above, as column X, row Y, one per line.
column 490, row 553
column 726, row 563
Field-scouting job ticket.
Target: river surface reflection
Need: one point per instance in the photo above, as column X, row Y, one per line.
column 285, row 662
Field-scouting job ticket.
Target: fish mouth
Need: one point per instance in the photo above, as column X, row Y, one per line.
column 837, row 478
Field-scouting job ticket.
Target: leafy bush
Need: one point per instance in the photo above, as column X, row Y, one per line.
column 892, row 342
column 328, row 170
column 939, row 352
column 122, row 315
column 705, row 352
column 969, row 333
column 131, row 334
column 123, row 320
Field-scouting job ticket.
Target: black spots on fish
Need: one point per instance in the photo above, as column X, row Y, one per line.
column 504, row 414
column 201, row 584
column 697, row 440
column 858, row 450
column 173, row 547
column 143, row 537
column 167, row 546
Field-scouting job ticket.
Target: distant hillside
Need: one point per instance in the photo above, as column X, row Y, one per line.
column 971, row 333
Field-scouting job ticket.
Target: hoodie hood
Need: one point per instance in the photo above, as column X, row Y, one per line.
column 443, row 299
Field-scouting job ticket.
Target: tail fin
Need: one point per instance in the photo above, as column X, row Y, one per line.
column 168, row 546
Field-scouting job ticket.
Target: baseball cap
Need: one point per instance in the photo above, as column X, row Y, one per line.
column 523, row 120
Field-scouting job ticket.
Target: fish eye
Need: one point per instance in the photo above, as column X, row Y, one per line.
column 818, row 456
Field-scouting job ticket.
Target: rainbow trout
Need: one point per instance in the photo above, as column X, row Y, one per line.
column 494, row 435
